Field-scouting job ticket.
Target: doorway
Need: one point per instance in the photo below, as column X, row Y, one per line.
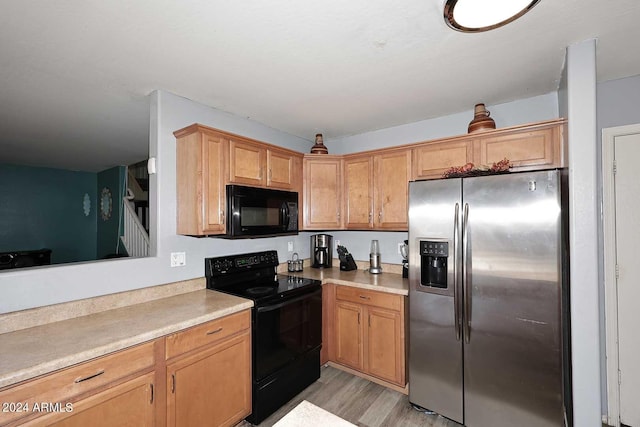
column 621, row 204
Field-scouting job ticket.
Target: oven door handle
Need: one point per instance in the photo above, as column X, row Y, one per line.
column 288, row 301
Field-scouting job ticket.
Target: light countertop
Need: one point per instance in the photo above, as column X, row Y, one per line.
column 30, row 352
column 384, row 282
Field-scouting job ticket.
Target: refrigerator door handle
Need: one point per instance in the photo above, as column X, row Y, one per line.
column 456, row 285
column 465, row 274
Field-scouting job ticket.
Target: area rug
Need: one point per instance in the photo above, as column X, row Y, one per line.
column 309, row 415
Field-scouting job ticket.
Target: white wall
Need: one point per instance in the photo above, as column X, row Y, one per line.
column 618, row 104
column 535, row 109
column 539, row 108
column 583, row 230
column 22, row 289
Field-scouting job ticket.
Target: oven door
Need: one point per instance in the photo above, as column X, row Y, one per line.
column 260, row 212
column 285, row 330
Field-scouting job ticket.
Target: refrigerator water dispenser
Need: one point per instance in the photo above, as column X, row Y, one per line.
column 433, row 263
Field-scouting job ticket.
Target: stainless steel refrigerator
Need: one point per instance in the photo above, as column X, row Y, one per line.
column 488, row 299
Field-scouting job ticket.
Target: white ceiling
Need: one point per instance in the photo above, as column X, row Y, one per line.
column 75, row 73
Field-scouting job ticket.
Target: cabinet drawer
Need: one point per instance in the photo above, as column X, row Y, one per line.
column 62, row 386
column 367, row 297
column 206, row 333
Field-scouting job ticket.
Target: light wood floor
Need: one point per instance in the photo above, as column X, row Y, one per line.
column 360, row 402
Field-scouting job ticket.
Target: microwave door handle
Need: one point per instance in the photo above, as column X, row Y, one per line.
column 284, row 211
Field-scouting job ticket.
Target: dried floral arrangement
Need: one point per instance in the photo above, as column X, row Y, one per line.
column 470, row 169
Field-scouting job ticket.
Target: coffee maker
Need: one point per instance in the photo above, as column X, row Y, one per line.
column 321, row 250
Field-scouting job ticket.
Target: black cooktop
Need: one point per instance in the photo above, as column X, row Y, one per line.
column 253, row 276
column 281, row 286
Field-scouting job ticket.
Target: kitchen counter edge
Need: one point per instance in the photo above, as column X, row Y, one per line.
column 40, row 350
column 384, row 282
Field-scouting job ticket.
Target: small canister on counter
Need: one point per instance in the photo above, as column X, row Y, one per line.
column 295, row 263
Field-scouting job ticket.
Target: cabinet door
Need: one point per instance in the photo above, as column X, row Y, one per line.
column 284, row 170
column 392, row 173
column 433, row 159
column 201, row 165
column 524, row 149
column 349, row 335
column 211, row 387
column 358, row 188
column 322, row 193
column 214, row 196
column 128, row 404
column 385, row 343
column 247, row 163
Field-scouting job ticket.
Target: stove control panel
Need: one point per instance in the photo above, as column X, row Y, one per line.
column 240, row 263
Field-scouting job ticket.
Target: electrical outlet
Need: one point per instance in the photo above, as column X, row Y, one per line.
column 178, row 259
column 290, row 246
column 337, row 244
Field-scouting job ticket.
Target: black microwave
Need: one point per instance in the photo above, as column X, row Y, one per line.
column 260, row 212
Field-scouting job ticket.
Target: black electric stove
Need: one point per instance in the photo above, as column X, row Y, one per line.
column 286, row 325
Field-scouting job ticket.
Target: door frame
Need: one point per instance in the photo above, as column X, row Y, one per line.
column 610, row 283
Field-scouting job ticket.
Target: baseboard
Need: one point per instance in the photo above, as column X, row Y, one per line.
column 403, row 390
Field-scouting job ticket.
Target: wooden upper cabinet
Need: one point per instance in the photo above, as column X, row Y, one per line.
column 525, row 149
column 431, row 160
column 208, row 159
column 392, row 176
column 201, row 165
column 358, row 192
column 284, row 170
column 528, row 147
column 260, row 165
column 247, row 163
column 376, row 190
column 322, row 193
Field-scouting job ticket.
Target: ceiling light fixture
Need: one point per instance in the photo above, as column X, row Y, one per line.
column 472, row 16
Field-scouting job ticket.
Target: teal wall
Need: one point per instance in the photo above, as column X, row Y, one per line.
column 109, row 231
column 43, row 208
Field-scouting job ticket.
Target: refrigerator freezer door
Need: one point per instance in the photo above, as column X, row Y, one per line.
column 435, row 344
column 512, row 361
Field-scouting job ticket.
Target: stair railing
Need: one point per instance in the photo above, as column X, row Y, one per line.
column 134, row 237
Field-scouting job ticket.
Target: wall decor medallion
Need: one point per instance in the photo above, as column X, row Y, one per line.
column 86, row 204
column 106, row 204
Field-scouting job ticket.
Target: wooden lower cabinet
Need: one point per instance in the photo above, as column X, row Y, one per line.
column 129, row 404
column 87, row 388
column 200, row 376
column 211, row 387
column 382, row 359
column 209, row 381
column 349, row 335
column 369, row 333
